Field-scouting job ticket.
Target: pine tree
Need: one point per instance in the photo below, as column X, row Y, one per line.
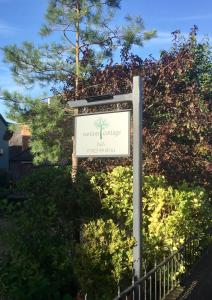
column 79, row 25
column 49, row 124
column 85, row 39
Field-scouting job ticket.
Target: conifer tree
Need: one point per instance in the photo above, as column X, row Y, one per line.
column 84, row 38
column 77, row 25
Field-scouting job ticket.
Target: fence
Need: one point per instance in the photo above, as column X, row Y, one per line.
column 167, row 275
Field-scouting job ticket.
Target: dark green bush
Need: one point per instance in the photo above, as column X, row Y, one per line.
column 42, row 233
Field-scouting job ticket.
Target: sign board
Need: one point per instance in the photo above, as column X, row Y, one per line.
column 103, row 135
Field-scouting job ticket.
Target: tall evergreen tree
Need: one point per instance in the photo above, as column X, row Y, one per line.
column 78, row 26
column 85, row 40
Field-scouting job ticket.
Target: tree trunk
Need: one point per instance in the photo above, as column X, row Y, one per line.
column 77, row 48
column 74, row 161
column 74, row 158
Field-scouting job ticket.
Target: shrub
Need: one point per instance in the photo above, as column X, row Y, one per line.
column 64, row 237
column 104, row 256
column 41, row 236
column 170, row 215
column 177, row 108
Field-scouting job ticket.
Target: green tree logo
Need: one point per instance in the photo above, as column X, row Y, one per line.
column 101, row 124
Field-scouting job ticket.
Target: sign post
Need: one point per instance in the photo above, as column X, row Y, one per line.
column 103, row 141
column 137, row 175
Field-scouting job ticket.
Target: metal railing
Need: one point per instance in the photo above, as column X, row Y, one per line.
column 161, row 280
column 165, row 276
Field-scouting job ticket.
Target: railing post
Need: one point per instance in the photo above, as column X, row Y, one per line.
column 137, row 175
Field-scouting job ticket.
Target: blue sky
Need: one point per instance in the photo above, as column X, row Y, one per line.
column 20, row 20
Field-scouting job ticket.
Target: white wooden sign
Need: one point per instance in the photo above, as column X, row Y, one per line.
column 103, row 135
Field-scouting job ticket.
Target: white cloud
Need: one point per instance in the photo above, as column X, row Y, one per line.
column 195, row 17
column 188, row 18
column 161, row 38
column 164, row 37
column 6, row 29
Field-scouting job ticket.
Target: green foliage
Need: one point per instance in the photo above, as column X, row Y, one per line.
column 200, row 71
column 105, row 252
column 170, row 216
column 85, row 42
column 104, row 256
column 50, row 126
column 64, row 237
column 115, row 189
column 202, row 68
column 91, row 22
column 41, row 234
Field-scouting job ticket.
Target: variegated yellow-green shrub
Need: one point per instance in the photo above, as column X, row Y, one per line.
column 103, row 257
column 170, row 215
